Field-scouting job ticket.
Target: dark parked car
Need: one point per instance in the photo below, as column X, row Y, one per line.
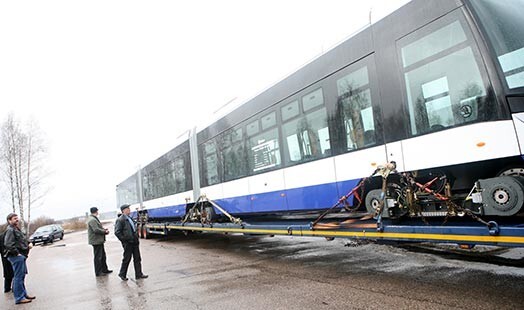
column 47, row 234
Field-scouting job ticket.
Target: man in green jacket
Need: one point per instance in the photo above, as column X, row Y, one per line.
column 96, row 235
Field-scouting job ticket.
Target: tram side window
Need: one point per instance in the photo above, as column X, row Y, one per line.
column 127, row 191
column 306, row 135
column 167, row 181
column 504, row 26
column 444, row 84
column 147, row 184
column 187, row 171
column 263, row 150
column 209, row 163
column 290, row 110
column 233, row 154
column 355, row 109
column 179, row 175
column 158, row 181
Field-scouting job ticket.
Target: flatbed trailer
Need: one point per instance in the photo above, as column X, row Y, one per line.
column 470, row 234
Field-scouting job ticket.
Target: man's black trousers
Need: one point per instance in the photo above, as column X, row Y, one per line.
column 131, row 249
column 100, row 259
column 8, row 274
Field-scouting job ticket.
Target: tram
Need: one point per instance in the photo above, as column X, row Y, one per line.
column 430, row 100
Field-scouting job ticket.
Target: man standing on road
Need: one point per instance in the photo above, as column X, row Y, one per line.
column 125, row 231
column 8, row 269
column 17, row 249
column 96, row 236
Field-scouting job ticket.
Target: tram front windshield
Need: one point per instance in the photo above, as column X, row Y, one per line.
column 503, row 23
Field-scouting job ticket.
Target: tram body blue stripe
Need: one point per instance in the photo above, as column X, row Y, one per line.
column 312, row 197
column 304, row 198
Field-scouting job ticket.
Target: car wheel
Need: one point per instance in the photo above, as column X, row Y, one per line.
column 34, row 243
column 51, row 239
column 62, row 236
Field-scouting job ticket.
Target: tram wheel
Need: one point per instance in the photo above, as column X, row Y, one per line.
column 373, row 200
column 512, row 171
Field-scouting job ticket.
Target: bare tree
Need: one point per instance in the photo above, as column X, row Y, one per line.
column 22, row 163
column 36, row 168
column 10, row 135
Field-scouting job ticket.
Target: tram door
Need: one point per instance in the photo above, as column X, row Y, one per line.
column 266, row 186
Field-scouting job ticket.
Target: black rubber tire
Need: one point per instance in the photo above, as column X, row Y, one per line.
column 145, row 232
column 210, row 213
column 139, row 231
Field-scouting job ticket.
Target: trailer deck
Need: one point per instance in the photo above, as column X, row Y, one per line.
column 509, row 235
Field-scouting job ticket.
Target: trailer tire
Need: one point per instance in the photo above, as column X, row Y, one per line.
column 210, row 214
column 145, row 232
column 139, row 230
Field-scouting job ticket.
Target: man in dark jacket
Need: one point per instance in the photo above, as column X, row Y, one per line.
column 17, row 249
column 8, row 269
column 96, row 236
column 125, row 231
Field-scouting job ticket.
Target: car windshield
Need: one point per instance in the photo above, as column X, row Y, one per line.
column 504, row 25
column 44, row 229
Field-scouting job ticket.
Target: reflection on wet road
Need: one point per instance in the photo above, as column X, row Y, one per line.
column 204, row 271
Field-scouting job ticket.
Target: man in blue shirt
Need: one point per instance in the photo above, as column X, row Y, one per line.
column 125, row 231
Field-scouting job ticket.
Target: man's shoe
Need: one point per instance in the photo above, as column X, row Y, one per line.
column 107, row 271
column 23, row 301
column 144, row 276
column 123, row 278
column 7, row 291
column 30, row 297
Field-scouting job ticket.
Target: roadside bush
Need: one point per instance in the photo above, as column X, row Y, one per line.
column 75, row 224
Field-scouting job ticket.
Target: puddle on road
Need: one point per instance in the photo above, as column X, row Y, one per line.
column 184, row 273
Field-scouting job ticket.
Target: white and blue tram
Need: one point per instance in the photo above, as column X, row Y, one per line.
column 437, row 87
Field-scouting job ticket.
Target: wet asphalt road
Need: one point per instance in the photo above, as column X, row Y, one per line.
column 205, row 271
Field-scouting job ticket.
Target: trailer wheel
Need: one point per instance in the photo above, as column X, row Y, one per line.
column 145, row 232
column 209, row 215
column 139, row 230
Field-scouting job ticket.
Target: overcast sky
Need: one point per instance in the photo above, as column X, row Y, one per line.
column 114, row 83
